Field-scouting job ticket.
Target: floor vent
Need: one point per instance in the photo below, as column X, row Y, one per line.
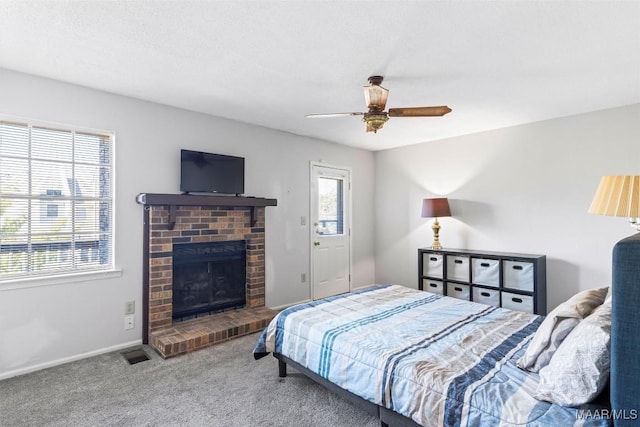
column 135, row 356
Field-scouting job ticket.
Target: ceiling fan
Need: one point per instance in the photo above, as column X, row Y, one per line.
column 376, row 117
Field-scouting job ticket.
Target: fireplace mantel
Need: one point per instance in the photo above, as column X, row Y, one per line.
column 173, row 200
column 202, row 200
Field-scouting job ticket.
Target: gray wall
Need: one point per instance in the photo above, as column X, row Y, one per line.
column 45, row 325
column 519, row 189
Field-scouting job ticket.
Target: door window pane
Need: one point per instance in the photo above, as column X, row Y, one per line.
column 331, row 206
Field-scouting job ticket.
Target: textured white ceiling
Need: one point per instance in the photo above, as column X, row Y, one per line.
column 269, row 63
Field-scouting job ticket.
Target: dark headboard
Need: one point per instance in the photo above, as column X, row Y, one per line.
column 625, row 332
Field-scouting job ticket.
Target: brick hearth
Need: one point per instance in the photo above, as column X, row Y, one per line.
column 179, row 219
column 195, row 334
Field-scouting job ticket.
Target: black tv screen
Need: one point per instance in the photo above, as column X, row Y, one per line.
column 211, row 173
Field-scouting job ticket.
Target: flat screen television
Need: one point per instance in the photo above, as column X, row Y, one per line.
column 211, row 173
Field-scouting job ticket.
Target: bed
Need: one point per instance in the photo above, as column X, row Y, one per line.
column 414, row 358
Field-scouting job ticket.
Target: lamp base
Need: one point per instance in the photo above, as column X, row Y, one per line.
column 436, row 238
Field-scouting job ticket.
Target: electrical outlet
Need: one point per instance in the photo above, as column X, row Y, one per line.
column 303, row 277
column 128, row 322
column 129, row 307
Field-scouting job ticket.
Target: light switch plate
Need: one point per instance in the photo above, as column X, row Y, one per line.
column 129, row 307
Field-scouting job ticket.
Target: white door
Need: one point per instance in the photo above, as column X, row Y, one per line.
column 330, row 230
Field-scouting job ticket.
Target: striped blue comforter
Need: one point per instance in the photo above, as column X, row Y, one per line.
column 438, row 360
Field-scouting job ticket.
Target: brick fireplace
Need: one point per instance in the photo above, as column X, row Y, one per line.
column 172, row 220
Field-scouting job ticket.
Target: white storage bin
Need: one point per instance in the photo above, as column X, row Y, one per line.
column 432, row 265
column 486, row 296
column 517, row 302
column 458, row 268
column 458, row 291
column 485, row 272
column 433, row 286
column 517, row 275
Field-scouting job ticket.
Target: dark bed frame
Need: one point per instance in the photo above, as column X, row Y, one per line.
column 625, row 348
column 386, row 416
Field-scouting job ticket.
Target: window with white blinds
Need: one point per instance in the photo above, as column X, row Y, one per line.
column 56, row 201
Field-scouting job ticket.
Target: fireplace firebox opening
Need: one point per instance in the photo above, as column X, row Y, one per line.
column 208, row 278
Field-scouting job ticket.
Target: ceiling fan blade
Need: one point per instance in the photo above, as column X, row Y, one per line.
column 419, row 111
column 323, row 115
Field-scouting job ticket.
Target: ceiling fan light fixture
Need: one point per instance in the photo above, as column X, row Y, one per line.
column 375, row 120
column 375, row 95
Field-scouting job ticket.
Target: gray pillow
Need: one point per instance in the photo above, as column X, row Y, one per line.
column 557, row 325
column 579, row 370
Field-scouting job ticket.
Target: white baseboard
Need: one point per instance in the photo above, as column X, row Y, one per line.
column 355, row 288
column 282, row 307
column 52, row 363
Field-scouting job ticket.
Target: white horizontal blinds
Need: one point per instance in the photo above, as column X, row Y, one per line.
column 56, row 201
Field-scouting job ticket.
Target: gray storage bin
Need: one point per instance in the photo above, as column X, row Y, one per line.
column 486, row 296
column 433, row 286
column 432, row 265
column 517, row 275
column 517, row 302
column 458, row 268
column 458, row 291
column 485, row 272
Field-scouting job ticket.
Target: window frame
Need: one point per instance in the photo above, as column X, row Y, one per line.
column 77, row 272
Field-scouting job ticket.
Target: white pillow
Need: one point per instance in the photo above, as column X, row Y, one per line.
column 557, row 325
column 579, row 370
